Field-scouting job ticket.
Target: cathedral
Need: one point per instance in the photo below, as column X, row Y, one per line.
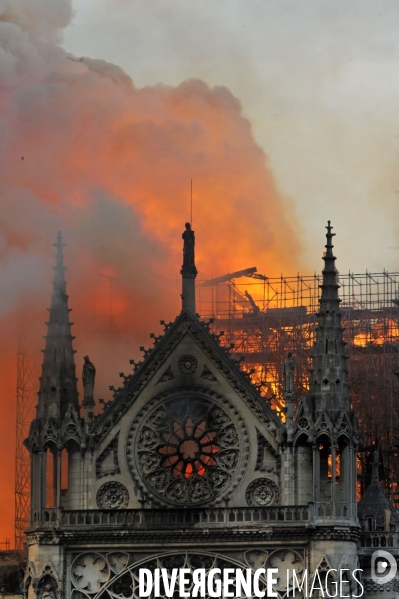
column 189, row 468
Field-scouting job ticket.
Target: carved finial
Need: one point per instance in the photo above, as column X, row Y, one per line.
column 146, row 352
column 329, row 246
column 59, row 266
column 329, row 229
column 105, row 404
column 207, row 323
column 237, row 361
column 155, row 338
column 58, row 244
column 135, row 364
column 166, row 325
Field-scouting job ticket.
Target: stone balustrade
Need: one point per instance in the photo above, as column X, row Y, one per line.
column 376, row 539
column 334, row 510
column 164, row 518
column 170, row 517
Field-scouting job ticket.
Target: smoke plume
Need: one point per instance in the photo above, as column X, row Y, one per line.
column 82, row 150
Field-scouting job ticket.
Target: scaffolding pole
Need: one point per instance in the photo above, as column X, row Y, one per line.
column 27, row 377
column 266, row 320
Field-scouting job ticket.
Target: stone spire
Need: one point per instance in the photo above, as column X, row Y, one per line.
column 188, row 271
column 329, row 375
column 58, row 387
column 375, row 511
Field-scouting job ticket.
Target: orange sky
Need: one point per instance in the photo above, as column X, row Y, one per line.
column 83, row 151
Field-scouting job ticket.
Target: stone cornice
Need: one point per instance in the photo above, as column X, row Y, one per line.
column 181, row 538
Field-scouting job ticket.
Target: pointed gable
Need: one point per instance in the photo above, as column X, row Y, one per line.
column 187, row 330
column 192, row 428
column 191, row 425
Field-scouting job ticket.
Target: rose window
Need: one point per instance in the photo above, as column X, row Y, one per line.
column 186, row 450
column 190, row 449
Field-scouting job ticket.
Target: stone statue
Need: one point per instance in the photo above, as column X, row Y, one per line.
column 48, row 592
column 188, row 247
column 88, row 376
column 288, row 373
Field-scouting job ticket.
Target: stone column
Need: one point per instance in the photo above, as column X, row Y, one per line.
column 188, row 293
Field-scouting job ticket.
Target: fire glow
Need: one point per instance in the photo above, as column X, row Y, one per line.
column 189, row 449
column 86, row 152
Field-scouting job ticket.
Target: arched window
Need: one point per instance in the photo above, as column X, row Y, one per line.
column 51, row 477
column 64, row 470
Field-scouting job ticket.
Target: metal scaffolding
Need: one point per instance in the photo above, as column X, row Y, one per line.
column 27, row 376
column 265, row 318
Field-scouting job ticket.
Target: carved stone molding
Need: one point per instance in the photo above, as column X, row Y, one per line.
column 287, row 562
column 112, row 495
column 156, row 358
column 112, row 447
column 261, row 463
column 89, row 572
column 208, row 375
column 116, row 574
column 166, row 376
column 262, row 492
column 187, row 364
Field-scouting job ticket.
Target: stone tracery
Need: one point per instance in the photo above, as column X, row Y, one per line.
column 112, row 495
column 187, row 449
column 262, row 492
column 190, row 449
column 116, row 575
column 94, row 575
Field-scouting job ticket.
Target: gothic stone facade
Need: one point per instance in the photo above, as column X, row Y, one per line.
column 189, row 467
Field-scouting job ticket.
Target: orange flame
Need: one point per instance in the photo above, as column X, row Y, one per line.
column 110, row 165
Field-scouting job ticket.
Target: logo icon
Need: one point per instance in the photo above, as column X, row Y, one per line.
column 383, row 567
